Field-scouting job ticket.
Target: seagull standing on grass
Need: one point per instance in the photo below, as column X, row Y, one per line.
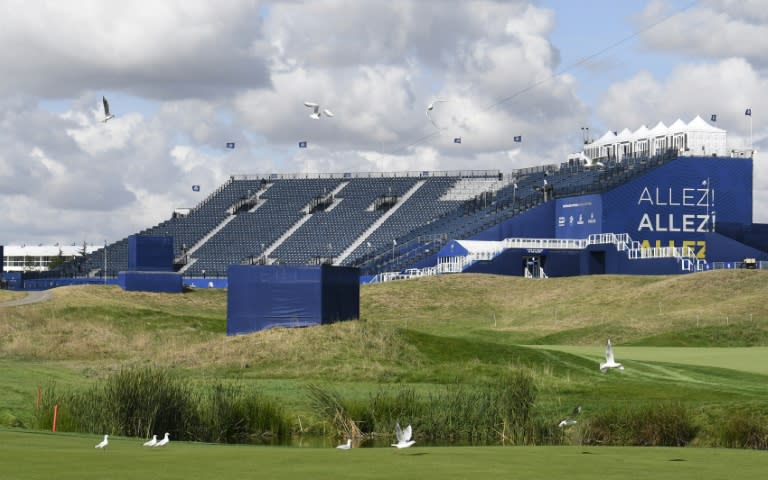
column 163, row 442
column 570, row 420
column 107, row 115
column 609, row 360
column 345, row 446
column 316, row 110
column 403, row 437
column 104, row 442
column 151, row 443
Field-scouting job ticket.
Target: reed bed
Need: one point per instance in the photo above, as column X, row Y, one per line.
column 139, row 402
column 490, row 413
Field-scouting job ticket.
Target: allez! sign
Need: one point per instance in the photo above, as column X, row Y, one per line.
column 692, row 211
column 688, row 200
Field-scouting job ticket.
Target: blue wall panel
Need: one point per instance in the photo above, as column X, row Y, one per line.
column 578, row 217
column 150, row 253
column 264, row 296
column 677, row 203
column 534, row 223
column 167, row 282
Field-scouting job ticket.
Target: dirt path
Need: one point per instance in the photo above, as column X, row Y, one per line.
column 34, row 296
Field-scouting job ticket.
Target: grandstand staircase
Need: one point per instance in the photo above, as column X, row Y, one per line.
column 301, row 222
column 191, row 260
column 375, row 225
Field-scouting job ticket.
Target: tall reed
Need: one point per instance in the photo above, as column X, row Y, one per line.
column 140, row 402
column 501, row 412
column 659, row 424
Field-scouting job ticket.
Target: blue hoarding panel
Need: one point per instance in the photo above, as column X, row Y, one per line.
column 264, row 296
column 340, row 293
column 677, row 203
column 578, row 217
column 167, row 282
column 150, row 253
column 533, row 223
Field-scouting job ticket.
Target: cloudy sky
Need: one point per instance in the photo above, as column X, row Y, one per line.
column 184, row 77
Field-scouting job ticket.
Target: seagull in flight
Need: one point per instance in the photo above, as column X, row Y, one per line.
column 403, row 437
column 345, row 446
column 609, row 362
column 570, row 420
column 103, row 443
column 431, row 107
column 316, row 110
column 107, row 115
column 151, row 443
column 163, row 442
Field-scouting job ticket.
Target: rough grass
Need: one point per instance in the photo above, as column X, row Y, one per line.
column 6, row 295
column 422, row 334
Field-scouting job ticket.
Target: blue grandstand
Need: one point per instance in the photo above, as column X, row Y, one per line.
column 674, row 202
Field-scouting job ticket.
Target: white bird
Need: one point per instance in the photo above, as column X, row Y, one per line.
column 570, row 420
column 316, row 110
column 403, row 437
column 345, row 446
column 151, row 443
column 609, row 362
column 104, row 442
column 107, row 115
column 431, row 107
column 163, row 442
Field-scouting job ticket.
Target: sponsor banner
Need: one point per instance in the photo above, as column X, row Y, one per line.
column 578, row 217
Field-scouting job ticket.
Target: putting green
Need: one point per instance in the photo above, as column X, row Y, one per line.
column 745, row 359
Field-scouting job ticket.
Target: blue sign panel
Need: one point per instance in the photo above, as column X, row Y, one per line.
column 676, row 204
column 578, row 217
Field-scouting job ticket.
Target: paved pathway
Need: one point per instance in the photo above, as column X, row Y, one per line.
column 32, row 297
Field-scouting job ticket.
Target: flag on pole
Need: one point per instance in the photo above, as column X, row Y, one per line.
column 518, row 138
column 457, row 140
column 748, row 112
column 713, row 117
column 230, row 144
column 303, row 144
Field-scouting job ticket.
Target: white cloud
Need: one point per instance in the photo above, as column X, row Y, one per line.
column 174, row 48
column 712, row 28
column 185, row 77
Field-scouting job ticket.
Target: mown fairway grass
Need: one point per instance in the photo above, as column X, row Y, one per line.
column 68, row 456
column 700, row 339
